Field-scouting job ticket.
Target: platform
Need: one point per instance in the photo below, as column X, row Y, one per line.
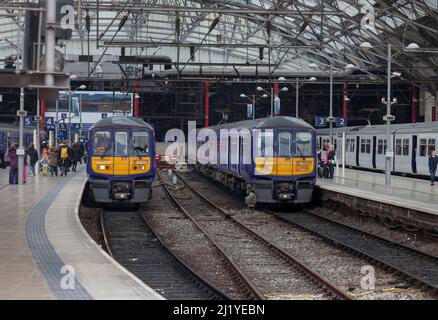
column 45, row 253
column 410, row 195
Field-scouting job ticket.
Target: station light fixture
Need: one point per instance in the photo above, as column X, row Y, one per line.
column 366, row 45
column 313, row 66
column 396, row 74
column 264, row 95
column 259, row 89
column 281, row 79
column 312, row 79
column 350, row 66
column 413, row 46
column 284, row 89
column 243, row 95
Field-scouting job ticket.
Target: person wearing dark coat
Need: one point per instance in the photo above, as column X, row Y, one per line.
column 2, row 155
column 76, row 155
column 13, row 164
column 33, row 157
column 433, row 163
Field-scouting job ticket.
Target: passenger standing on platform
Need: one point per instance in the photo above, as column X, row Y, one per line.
column 433, row 163
column 33, row 158
column 13, row 164
column 331, row 155
column 45, row 162
column 64, row 158
column 53, row 162
column 2, row 155
column 76, row 155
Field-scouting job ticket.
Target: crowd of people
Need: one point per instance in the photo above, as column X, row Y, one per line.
column 51, row 160
column 326, row 162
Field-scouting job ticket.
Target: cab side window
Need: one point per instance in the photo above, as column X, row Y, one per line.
column 102, row 143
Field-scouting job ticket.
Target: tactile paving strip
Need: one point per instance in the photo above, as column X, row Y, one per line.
column 43, row 253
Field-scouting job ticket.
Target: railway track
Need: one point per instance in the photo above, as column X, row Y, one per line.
column 419, row 267
column 133, row 243
column 259, row 262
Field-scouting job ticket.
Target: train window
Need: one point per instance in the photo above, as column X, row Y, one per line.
column 304, row 143
column 381, row 146
column 121, row 139
column 284, row 144
column 398, row 147
column 140, row 143
column 430, row 146
column 265, row 143
column 405, row 147
column 423, row 147
column 365, row 145
column 350, row 144
column 325, row 142
column 102, row 143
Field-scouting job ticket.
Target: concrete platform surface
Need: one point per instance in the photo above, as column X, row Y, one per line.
column 45, row 253
column 412, row 193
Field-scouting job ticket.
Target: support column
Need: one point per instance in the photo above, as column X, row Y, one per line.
column 276, row 88
column 43, row 114
column 206, row 102
column 414, row 104
column 344, row 101
column 136, row 105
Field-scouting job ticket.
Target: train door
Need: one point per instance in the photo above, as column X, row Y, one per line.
column 365, row 152
column 380, row 152
column 426, row 144
column 402, row 154
column 121, row 152
column 374, row 152
column 414, row 154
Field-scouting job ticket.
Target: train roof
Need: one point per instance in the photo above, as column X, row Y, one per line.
column 381, row 128
column 122, row 121
column 271, row 122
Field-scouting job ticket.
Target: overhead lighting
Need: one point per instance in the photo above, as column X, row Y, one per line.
column 413, row 46
column 281, row 79
column 73, row 77
column 312, row 79
column 83, row 87
column 284, row 89
column 366, row 45
column 346, row 98
column 264, row 96
column 313, row 66
column 243, row 95
column 396, row 74
column 259, row 89
column 350, row 66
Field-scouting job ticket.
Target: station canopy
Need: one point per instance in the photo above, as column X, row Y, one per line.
column 298, row 35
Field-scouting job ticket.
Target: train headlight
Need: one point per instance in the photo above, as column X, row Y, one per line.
column 140, row 167
column 102, row 167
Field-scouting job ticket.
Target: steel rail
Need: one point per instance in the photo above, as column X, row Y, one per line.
column 198, row 280
column 367, row 254
column 244, row 279
column 316, row 278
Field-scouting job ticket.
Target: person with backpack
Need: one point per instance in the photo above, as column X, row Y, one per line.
column 2, row 155
column 53, row 162
column 64, row 158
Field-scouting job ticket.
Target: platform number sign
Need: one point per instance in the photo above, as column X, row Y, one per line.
column 63, row 115
column 28, row 121
column 341, row 122
column 63, row 126
column 320, row 121
column 50, row 121
column 104, row 115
